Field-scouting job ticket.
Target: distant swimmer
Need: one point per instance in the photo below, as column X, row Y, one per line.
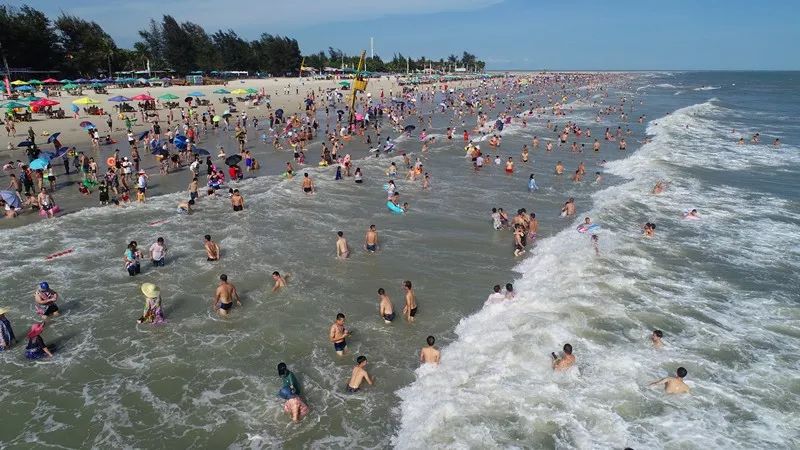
column 224, row 296
column 342, row 249
column 410, row 308
column 674, row 385
column 691, row 215
column 496, row 296
column 649, row 230
column 429, row 354
column 559, row 168
column 359, row 375
column 212, row 249
column 237, row 201
column 338, row 335
column 308, row 184
column 655, row 338
column 385, row 308
column 371, row 240
column 564, row 362
column 660, row 186
column 280, row 281
column 509, row 292
column 776, row 143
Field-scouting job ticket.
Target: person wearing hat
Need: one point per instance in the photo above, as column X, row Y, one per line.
column 152, row 304
column 46, row 298
column 7, row 337
column 290, row 385
column 36, row 348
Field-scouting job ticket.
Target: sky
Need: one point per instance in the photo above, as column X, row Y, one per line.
column 507, row 34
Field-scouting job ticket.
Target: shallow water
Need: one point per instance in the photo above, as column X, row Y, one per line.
column 717, row 287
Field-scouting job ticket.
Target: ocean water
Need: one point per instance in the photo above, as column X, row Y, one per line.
column 720, row 288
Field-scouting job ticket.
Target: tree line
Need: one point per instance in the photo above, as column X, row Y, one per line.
column 76, row 47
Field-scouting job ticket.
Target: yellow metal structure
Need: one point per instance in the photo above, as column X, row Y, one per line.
column 359, row 84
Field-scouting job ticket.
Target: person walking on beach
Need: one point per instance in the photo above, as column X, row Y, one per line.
column 212, row 249
column 410, row 308
column 359, row 375
column 338, row 335
column 224, row 296
column 429, row 354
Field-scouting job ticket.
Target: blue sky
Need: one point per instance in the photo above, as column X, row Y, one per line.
column 508, row 34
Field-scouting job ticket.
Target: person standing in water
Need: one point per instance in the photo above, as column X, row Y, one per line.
column 429, row 354
column 237, row 201
column 385, row 308
column 212, row 249
column 410, row 308
column 7, row 338
column 674, row 385
column 158, row 252
column 656, row 337
column 46, row 298
column 338, row 335
column 224, row 296
column 280, row 281
column 371, row 240
column 152, row 312
column 359, row 375
column 290, row 386
column 342, row 249
column 308, row 184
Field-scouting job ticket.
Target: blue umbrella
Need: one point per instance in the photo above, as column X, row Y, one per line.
column 75, row 108
column 52, row 138
column 180, row 144
column 160, row 151
column 24, row 88
column 80, row 80
column 155, row 144
column 119, row 98
column 11, row 198
column 39, row 163
column 180, row 137
column 202, row 152
column 197, row 94
column 144, row 134
column 25, row 144
column 60, row 152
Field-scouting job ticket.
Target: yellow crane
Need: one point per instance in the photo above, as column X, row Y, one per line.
column 359, row 85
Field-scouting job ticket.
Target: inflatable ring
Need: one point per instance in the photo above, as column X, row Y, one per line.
column 394, row 208
column 111, row 161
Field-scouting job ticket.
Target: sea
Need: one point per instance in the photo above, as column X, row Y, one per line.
column 722, row 288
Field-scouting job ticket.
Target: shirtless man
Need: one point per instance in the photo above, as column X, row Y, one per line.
column 385, row 308
column 308, row 184
column 659, row 187
column 237, row 201
column 566, row 361
column 280, row 282
column 359, row 375
column 224, row 296
column 342, row 249
column 338, row 334
column 410, row 308
column 569, row 208
column 371, row 240
column 674, row 385
column 212, row 249
column 559, row 168
column 655, row 338
column 429, row 354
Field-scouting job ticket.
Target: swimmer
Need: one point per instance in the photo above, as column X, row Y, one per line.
column 185, row 207
column 308, row 184
column 559, row 168
column 385, row 308
column 212, row 249
column 342, row 249
column 429, row 354
column 410, row 308
column 237, row 201
column 224, row 296
column 649, row 230
column 674, row 385
column 660, row 186
column 371, row 240
column 569, row 208
column 509, row 292
column 692, row 215
column 359, row 375
column 656, row 337
column 496, row 296
column 564, row 362
column 597, row 178
column 338, row 335
column 280, row 281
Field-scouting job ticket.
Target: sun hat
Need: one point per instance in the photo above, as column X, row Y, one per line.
column 36, row 329
column 150, row 290
column 3, row 310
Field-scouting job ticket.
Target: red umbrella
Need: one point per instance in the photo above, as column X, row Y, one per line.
column 50, row 81
column 45, row 102
column 143, row 97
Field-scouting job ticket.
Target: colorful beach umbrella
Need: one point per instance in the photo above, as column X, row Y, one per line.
column 216, row 119
column 11, row 198
column 24, row 88
column 119, row 98
column 81, row 80
column 252, row 91
column 39, row 163
column 50, row 81
column 239, row 91
column 344, row 83
column 65, row 81
column 31, row 98
column 43, row 103
column 86, row 124
column 52, row 137
column 34, row 81
column 142, row 97
column 25, row 144
column 196, row 94
column 222, row 91
column 69, row 86
column 168, row 96
column 12, row 105
column 18, row 83
column 85, row 101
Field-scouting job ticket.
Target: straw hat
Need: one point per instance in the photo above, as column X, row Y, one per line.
column 36, row 329
column 3, row 310
column 150, row 290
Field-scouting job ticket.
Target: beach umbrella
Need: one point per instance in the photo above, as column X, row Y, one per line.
column 252, row 91
column 168, row 96
column 94, row 80
column 181, row 145
column 18, row 83
column 11, row 105
column 96, row 84
column 69, row 86
column 226, row 114
column 143, row 135
column 65, row 81
column 25, row 144
column 344, row 83
column 34, row 81
column 52, row 137
column 222, row 91
column 31, row 98
column 11, row 198
column 60, row 152
column 39, row 163
column 196, row 94
column 50, row 81
column 188, row 99
column 279, row 113
column 85, row 101
column 180, row 137
column 239, row 91
column 75, row 108
column 24, row 88
column 81, row 80
column 45, row 102
column 143, row 97
column 216, row 119
column 233, row 160
column 201, row 152
column 86, row 124
column 409, row 128
column 119, row 98
column 160, row 151
column 339, row 111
